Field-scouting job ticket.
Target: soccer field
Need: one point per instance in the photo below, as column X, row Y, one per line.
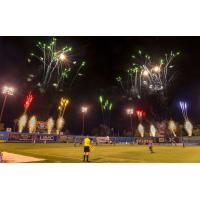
column 67, row 153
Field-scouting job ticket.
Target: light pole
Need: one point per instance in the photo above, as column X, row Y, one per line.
column 129, row 112
column 6, row 91
column 84, row 110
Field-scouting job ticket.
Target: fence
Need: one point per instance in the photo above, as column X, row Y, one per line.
column 11, row 137
column 14, row 137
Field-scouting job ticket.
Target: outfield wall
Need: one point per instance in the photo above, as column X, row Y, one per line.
column 78, row 139
column 15, row 137
column 3, row 136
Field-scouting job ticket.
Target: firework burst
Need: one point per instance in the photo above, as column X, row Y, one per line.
column 28, row 101
column 106, row 109
column 184, row 106
column 144, row 74
column 62, row 106
column 57, row 66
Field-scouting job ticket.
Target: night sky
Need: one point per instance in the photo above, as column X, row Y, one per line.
column 106, row 58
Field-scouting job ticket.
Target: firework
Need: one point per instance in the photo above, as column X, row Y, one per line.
column 57, row 65
column 152, row 131
column 60, row 123
column 188, row 127
column 106, row 108
column 141, row 130
column 28, row 101
column 50, row 125
column 22, row 123
column 172, row 127
column 62, row 106
column 184, row 106
column 32, row 124
column 187, row 124
column 143, row 74
column 140, row 113
column 106, row 104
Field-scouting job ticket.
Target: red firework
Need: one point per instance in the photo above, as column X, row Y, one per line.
column 28, row 101
column 140, row 113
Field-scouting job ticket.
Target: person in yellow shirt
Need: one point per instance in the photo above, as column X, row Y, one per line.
column 87, row 145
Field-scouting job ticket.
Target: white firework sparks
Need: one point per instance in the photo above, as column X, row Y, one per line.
column 22, row 123
column 152, row 131
column 172, row 127
column 141, row 130
column 60, row 123
column 50, row 125
column 188, row 127
column 32, row 124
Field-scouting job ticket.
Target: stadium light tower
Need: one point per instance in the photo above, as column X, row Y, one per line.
column 84, row 110
column 129, row 112
column 6, row 91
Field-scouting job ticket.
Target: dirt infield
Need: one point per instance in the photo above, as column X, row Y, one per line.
column 17, row 158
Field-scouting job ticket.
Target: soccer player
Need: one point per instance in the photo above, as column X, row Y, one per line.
column 75, row 142
column 1, row 157
column 173, row 141
column 87, row 144
column 150, row 144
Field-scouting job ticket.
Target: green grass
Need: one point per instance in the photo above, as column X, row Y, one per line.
column 67, row 153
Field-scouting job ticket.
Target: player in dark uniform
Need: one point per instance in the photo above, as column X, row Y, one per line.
column 150, row 144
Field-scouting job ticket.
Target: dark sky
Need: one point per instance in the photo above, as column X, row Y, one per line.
column 106, row 58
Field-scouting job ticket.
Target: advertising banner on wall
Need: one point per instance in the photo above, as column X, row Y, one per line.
column 3, row 136
column 160, row 140
column 103, row 139
column 162, row 128
column 193, row 140
column 46, row 138
column 13, row 137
